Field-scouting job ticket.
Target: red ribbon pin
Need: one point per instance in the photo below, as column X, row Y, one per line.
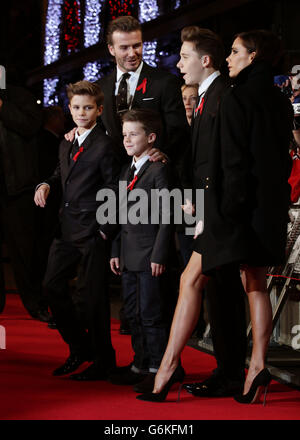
column 77, row 154
column 142, row 86
column 132, row 183
column 200, row 106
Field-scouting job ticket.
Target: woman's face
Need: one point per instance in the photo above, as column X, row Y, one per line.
column 239, row 58
column 189, row 96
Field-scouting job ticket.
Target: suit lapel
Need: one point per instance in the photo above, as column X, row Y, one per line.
column 144, row 78
column 86, row 144
column 200, row 117
column 141, row 171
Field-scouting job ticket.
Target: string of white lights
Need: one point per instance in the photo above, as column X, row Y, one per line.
column 148, row 10
column 91, row 30
column 52, row 47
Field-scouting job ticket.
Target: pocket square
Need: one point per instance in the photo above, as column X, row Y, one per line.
column 147, row 99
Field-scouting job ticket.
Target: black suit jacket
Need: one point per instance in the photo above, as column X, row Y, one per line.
column 97, row 167
column 203, row 128
column 139, row 245
column 163, row 95
column 248, row 193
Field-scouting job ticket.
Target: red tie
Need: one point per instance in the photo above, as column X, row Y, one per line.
column 200, row 107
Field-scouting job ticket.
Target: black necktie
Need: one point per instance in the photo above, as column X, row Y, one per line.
column 121, row 98
column 131, row 173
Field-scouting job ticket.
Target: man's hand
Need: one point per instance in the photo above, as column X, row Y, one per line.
column 157, row 269
column 41, row 195
column 157, row 156
column 70, row 135
column 115, row 265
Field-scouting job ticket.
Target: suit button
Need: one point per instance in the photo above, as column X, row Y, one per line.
column 206, row 187
column 206, row 178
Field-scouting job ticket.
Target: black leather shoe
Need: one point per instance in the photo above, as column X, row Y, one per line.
column 52, row 323
column 40, row 314
column 126, row 377
column 72, row 363
column 214, row 386
column 93, row 372
column 124, row 329
column 147, row 385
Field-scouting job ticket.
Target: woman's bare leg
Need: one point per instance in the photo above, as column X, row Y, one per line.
column 254, row 281
column 185, row 318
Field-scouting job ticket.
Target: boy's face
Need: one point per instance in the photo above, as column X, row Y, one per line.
column 127, row 48
column 135, row 139
column 191, row 64
column 84, row 111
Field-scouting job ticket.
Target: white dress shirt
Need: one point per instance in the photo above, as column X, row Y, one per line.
column 139, row 163
column 132, row 82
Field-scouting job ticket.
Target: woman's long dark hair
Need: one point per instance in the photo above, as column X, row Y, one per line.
column 267, row 45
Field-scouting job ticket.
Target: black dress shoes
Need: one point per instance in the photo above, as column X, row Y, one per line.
column 72, row 363
column 126, row 377
column 52, row 323
column 215, row 386
column 93, row 372
column 147, row 385
column 40, row 314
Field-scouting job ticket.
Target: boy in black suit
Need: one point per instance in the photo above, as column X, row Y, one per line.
column 141, row 253
column 85, row 167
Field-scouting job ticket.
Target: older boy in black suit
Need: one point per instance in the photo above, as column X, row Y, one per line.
column 85, row 166
column 141, row 252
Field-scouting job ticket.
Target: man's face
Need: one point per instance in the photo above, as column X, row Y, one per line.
column 127, row 48
column 190, row 64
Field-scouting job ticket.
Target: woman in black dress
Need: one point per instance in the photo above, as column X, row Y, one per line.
column 246, row 206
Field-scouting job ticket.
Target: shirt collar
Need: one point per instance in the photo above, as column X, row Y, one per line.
column 139, row 163
column 132, row 74
column 207, row 82
column 82, row 137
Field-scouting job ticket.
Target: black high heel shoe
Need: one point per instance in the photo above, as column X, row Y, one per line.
column 177, row 376
column 261, row 380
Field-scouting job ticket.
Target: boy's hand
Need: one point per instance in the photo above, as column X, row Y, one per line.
column 70, row 135
column 157, row 269
column 41, row 195
column 157, row 156
column 115, row 265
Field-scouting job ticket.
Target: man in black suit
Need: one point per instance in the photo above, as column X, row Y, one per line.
column 133, row 84
column 201, row 57
column 84, row 168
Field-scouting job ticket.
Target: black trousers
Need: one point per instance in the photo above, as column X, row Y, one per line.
column 227, row 317
column 144, row 309
column 90, row 337
column 18, row 230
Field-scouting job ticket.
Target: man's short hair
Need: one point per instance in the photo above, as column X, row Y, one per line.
column 206, row 43
column 86, row 88
column 122, row 24
column 149, row 119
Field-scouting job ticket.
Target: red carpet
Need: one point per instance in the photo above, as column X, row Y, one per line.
column 29, row 392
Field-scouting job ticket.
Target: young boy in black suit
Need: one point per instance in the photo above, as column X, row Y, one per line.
column 141, row 252
column 85, row 167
